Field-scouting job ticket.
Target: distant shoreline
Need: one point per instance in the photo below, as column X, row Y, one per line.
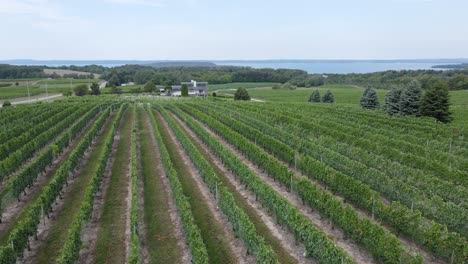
column 311, row 66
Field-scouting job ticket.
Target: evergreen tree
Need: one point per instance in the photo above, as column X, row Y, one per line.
column 392, row 101
column 435, row 103
column 410, row 99
column 95, row 89
column 315, row 96
column 328, row 97
column 241, row 94
column 369, row 99
column 184, row 90
column 149, row 87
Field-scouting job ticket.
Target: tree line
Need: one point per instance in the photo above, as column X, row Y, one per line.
column 453, row 79
column 411, row 100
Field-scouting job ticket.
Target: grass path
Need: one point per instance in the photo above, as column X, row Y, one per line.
column 162, row 243
column 111, row 245
column 216, row 244
column 58, row 231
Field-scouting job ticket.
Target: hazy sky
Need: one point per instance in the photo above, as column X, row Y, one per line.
column 233, row 29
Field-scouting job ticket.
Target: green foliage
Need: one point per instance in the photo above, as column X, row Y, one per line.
column 213, row 94
column 72, row 245
column 168, row 88
column 95, row 89
column 276, row 86
column 134, row 256
column 243, row 227
column 81, row 89
column 369, row 99
column 116, row 90
column 410, row 99
column 18, row 239
column 435, row 103
column 351, row 179
column 68, row 93
column 381, row 243
column 316, row 242
column 184, row 90
column 192, row 231
column 392, row 101
column 328, row 97
column 241, row 94
column 307, row 80
column 315, row 97
column 114, row 80
column 6, row 103
column 149, row 87
column 458, row 82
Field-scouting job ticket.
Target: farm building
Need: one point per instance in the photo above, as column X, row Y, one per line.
column 194, row 89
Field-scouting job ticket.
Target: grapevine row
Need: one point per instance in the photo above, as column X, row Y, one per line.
column 17, row 158
column 397, row 187
column 383, row 245
column 242, row 225
column 28, row 174
column 433, row 235
column 134, row 256
column 192, row 231
column 18, row 142
column 313, row 128
column 18, row 240
column 71, row 249
column 316, row 242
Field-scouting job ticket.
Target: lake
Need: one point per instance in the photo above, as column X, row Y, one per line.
column 311, row 66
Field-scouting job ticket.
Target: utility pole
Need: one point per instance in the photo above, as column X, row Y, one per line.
column 27, row 85
column 47, row 93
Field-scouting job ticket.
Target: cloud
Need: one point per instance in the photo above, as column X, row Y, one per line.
column 41, row 14
column 153, row 3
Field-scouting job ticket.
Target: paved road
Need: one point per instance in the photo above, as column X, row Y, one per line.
column 37, row 99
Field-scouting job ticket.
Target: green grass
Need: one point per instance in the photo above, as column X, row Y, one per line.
column 111, row 243
column 211, row 231
column 162, row 244
column 260, row 225
column 459, row 108
column 345, row 94
column 51, row 247
column 213, row 87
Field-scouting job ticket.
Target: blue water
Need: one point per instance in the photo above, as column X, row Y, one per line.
column 311, row 66
column 334, row 66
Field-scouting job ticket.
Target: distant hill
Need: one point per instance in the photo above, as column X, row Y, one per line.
column 451, row 66
column 181, row 64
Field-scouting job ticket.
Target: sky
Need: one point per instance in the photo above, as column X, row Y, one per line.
column 238, row 29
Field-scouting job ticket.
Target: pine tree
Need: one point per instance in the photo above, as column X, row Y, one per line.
column 392, row 101
column 241, row 94
column 328, row 97
column 410, row 99
column 369, row 99
column 315, row 97
column 435, row 103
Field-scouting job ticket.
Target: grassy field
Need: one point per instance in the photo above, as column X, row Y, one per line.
column 214, row 87
column 344, row 94
column 38, row 86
